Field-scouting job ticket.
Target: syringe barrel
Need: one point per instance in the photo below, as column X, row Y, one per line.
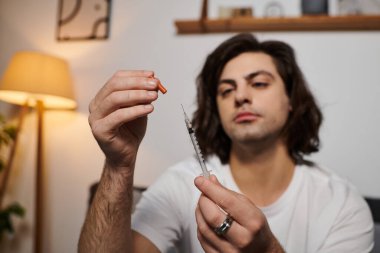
column 199, row 154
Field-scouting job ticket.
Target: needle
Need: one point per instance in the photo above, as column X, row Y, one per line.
column 198, row 152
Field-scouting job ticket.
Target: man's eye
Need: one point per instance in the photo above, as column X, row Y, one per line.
column 225, row 92
column 259, row 84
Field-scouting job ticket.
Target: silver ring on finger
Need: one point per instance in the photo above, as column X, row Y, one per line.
column 224, row 227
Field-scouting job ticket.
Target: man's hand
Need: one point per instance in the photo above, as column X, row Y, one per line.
column 118, row 119
column 249, row 231
column 118, row 115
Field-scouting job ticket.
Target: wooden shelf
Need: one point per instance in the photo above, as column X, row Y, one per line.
column 304, row 23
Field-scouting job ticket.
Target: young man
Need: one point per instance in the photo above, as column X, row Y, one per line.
column 256, row 118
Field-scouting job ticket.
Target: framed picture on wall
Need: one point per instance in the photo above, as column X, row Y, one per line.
column 83, row 20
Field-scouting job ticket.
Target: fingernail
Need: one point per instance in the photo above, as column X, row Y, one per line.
column 149, row 106
column 150, row 73
column 152, row 94
column 152, row 83
column 214, row 178
column 199, row 180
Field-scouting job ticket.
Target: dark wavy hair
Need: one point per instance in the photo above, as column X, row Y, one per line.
column 302, row 127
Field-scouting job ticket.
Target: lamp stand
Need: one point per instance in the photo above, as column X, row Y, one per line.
column 39, row 181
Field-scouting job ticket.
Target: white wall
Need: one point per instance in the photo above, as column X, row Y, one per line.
column 342, row 68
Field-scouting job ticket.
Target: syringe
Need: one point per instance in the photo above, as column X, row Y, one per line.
column 198, row 152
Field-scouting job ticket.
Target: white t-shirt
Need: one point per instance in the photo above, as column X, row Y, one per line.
column 318, row 212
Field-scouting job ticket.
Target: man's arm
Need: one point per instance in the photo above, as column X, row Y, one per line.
column 108, row 223
column 118, row 118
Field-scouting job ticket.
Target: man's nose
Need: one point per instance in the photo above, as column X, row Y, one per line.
column 242, row 95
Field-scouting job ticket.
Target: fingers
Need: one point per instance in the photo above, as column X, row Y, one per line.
column 126, row 80
column 123, row 99
column 118, row 118
column 207, row 237
column 124, row 89
column 249, row 225
column 231, row 202
column 213, row 216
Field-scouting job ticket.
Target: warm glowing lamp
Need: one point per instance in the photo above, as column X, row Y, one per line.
column 43, row 82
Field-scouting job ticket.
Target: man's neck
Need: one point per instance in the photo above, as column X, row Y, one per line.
column 262, row 174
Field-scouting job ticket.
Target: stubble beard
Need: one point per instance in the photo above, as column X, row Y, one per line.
column 254, row 136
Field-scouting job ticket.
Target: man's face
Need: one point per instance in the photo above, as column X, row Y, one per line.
column 251, row 98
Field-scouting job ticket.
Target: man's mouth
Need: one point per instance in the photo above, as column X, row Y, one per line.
column 245, row 117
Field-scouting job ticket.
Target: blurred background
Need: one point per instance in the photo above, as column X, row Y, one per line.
column 342, row 68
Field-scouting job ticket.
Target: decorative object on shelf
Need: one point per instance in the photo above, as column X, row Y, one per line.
column 230, row 9
column 314, row 7
column 235, row 12
column 356, row 7
column 221, row 9
column 274, row 9
column 348, row 7
column 83, row 20
column 39, row 81
column 242, row 12
column 303, row 23
column 369, row 7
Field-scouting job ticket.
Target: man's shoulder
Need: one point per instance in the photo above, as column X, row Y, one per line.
column 336, row 208
column 322, row 175
column 327, row 186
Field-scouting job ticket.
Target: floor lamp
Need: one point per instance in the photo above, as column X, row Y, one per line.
column 42, row 82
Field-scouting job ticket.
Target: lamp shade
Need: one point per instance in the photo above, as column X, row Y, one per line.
column 32, row 76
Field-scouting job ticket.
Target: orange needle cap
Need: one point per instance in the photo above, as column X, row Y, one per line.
column 162, row 88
